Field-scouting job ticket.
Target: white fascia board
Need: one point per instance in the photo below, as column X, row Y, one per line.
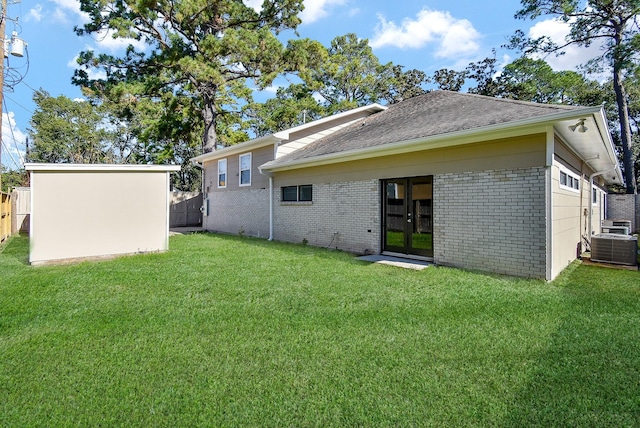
column 373, row 108
column 605, row 132
column 237, row 148
column 503, row 130
column 79, row 167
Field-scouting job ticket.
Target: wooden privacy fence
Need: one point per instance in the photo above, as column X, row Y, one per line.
column 5, row 216
column 20, row 210
column 185, row 209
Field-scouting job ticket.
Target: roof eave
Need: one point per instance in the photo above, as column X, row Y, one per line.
column 502, row 130
column 373, row 108
column 237, row 148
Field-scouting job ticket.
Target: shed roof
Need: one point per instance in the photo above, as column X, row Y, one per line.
column 78, row 167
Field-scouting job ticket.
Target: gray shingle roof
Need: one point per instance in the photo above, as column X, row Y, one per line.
column 428, row 115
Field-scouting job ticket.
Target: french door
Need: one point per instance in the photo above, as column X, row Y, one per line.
column 408, row 216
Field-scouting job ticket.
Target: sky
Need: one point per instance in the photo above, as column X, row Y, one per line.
column 423, row 34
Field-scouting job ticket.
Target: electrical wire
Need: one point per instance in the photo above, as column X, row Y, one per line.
column 13, row 136
column 14, row 76
column 18, row 104
column 6, row 149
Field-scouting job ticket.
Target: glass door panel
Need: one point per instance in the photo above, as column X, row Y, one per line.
column 421, row 213
column 408, row 215
column 395, row 215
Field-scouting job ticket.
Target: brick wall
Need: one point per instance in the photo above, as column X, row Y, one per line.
column 245, row 210
column 624, row 207
column 352, row 209
column 492, row 221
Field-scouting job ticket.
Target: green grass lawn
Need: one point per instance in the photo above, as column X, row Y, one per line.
column 230, row 331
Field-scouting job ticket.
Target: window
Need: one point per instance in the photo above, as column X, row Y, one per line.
column 305, row 193
column 245, row 169
column 222, row 173
column 594, row 196
column 302, row 193
column 290, row 193
column 569, row 181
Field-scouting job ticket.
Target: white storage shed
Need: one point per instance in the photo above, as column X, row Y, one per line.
column 89, row 211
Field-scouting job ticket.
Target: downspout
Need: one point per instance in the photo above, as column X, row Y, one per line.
column 199, row 165
column 270, row 175
column 202, row 186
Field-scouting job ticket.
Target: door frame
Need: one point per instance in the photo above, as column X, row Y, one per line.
column 409, row 217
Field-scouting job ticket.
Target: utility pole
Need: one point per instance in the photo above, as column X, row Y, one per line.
column 3, row 26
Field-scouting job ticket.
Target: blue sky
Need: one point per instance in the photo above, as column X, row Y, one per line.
column 422, row 34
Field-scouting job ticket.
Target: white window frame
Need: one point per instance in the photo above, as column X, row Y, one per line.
column 571, row 178
column 222, row 169
column 595, row 193
column 240, row 169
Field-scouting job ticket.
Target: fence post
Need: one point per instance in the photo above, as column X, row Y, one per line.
column 5, row 216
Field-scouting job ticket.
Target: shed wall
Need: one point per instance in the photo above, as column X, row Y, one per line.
column 95, row 214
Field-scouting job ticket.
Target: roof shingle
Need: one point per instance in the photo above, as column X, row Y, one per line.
column 428, row 115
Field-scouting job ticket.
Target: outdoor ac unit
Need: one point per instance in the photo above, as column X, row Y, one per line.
column 614, row 248
column 616, row 226
column 616, row 223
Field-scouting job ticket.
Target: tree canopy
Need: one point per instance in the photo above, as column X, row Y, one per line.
column 201, row 52
column 67, row 131
column 611, row 24
column 348, row 75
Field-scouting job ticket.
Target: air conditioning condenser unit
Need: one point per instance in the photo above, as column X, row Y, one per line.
column 614, row 248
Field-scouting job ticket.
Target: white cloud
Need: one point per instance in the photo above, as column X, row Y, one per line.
column 254, row 4
column 13, row 142
column 93, row 73
column 69, row 6
column 273, row 89
column 35, row 14
column 574, row 56
column 317, row 9
column 452, row 37
column 105, row 41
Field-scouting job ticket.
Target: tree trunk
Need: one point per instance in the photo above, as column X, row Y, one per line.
column 625, row 131
column 209, row 137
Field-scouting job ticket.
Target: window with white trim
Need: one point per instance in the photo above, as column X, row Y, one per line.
column 222, row 173
column 245, row 169
column 594, row 196
column 569, row 181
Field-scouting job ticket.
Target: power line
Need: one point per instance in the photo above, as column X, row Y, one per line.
column 13, row 136
column 18, row 104
column 10, row 155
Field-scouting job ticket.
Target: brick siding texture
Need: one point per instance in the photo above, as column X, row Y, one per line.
column 352, row 209
column 624, row 207
column 492, row 221
column 239, row 211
